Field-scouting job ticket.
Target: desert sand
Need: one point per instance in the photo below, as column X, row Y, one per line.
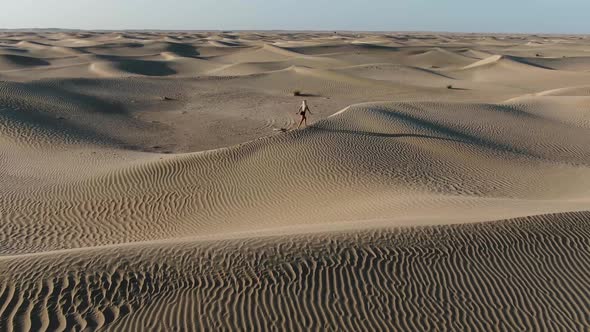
column 156, row 181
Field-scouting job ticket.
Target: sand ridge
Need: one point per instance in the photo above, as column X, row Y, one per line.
column 154, row 181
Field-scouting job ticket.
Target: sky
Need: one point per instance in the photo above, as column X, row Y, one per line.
column 526, row 16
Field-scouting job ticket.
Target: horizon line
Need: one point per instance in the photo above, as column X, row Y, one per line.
column 296, row 30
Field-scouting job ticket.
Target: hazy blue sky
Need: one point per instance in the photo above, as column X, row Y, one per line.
column 558, row 16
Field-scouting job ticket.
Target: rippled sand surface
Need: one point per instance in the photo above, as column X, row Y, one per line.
column 157, row 181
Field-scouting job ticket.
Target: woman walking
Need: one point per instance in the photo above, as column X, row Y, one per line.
column 303, row 109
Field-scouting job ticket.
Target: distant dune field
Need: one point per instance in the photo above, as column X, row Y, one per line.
column 157, row 181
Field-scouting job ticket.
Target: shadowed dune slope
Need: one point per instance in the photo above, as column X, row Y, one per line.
column 137, row 67
column 46, row 114
column 11, row 62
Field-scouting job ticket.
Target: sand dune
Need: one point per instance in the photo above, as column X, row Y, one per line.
column 280, row 283
column 265, row 53
column 399, row 74
column 476, row 54
column 517, row 71
column 438, row 57
column 131, row 67
column 375, row 137
column 155, row 181
column 10, row 61
column 568, row 63
column 551, row 105
column 513, row 63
